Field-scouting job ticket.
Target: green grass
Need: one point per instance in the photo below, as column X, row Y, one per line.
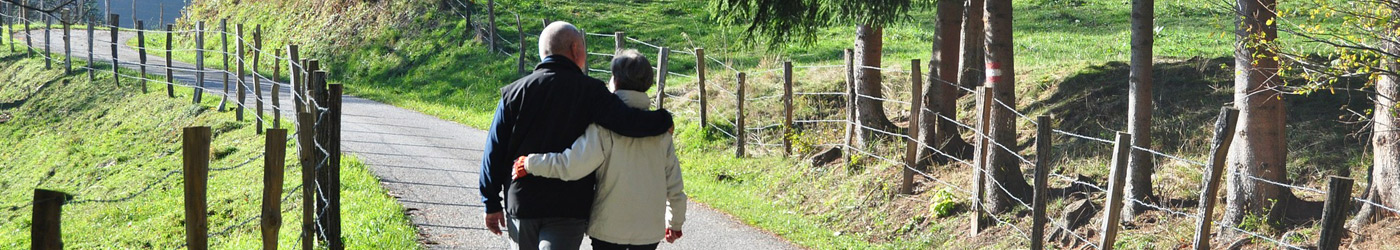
column 100, row 141
column 1071, row 63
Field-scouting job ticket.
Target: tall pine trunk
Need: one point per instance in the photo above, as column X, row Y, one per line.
column 1001, row 76
column 1384, row 187
column 1140, row 163
column 870, row 112
column 941, row 92
column 1261, row 147
column 974, row 45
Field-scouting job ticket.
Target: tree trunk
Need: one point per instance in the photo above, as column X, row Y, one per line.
column 974, row 45
column 1384, row 181
column 1140, row 166
column 941, row 93
column 1261, row 147
column 1001, row 75
column 870, row 112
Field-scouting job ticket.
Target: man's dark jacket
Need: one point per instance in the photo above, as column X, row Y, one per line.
column 543, row 113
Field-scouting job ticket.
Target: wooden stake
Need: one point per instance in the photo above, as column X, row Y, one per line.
column 240, row 87
column 787, row 108
column 169, row 62
column 140, row 51
column 92, row 63
column 196, row 167
column 333, row 145
column 294, row 75
column 979, row 172
column 1334, row 212
column 68, row 52
column 700, row 78
column 1042, row 185
column 1113, row 211
column 739, row 116
column 116, row 78
column 223, row 35
column 663, row 59
column 911, row 149
column 1220, row 148
column 850, row 98
column 199, row 61
column 257, row 81
column 273, row 161
column 520, row 61
column 305, row 138
column 48, row 60
column 619, row 42
column 46, row 231
column 491, row 25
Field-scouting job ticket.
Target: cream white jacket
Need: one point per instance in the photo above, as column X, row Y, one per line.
column 640, row 192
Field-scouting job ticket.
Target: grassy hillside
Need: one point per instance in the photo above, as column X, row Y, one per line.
column 1071, row 58
column 116, row 149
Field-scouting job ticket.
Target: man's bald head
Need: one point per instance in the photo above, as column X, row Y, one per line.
column 563, row 39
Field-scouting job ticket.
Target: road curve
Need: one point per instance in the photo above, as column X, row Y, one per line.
column 428, row 164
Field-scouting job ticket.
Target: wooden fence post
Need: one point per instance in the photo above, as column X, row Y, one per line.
column 169, row 62
column 664, row 59
column 48, row 23
column 238, row 82
column 273, row 162
column 115, row 21
column 46, row 232
column 305, row 138
column 257, row 80
column 700, row 78
column 1220, row 148
column 294, row 75
column 28, row 41
column 520, row 61
column 141, row 51
column 196, row 167
column 318, row 91
column 199, row 61
column 92, row 63
column 333, row 98
column 491, row 26
column 1042, row 171
column 911, row 148
column 979, row 175
column 10, row 28
column 1334, row 212
column 619, row 42
column 68, row 50
column 223, row 35
column 1113, row 210
column 739, row 118
column 850, row 99
column 787, row 108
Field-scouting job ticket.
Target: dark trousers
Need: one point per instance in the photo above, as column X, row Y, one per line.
column 604, row 245
column 547, row 233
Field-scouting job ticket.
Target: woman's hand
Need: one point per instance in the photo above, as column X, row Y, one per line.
column 519, row 170
column 672, row 236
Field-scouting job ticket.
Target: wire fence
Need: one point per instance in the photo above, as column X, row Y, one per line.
column 196, row 78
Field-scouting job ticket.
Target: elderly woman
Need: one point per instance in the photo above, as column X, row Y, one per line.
column 640, row 196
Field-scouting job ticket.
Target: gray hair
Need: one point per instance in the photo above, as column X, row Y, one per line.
column 632, row 71
column 559, row 38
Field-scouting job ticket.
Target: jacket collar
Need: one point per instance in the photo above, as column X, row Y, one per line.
column 634, row 98
column 558, row 63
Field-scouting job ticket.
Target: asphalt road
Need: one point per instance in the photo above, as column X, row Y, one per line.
column 430, row 165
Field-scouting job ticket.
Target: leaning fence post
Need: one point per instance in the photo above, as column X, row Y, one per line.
column 911, row 149
column 273, row 161
column 141, row 51
column 1334, row 212
column 116, row 78
column 169, row 51
column 739, row 118
column 257, row 80
column 238, row 59
column 305, row 138
column 1042, row 171
column 196, row 170
column 850, row 98
column 1219, row 147
column 223, row 35
column 619, row 42
column 1114, row 209
column 787, row 108
column 28, row 41
column 700, row 78
column 46, row 232
column 199, row 61
column 979, row 168
column 663, row 60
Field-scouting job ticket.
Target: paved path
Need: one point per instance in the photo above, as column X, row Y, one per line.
column 430, row 165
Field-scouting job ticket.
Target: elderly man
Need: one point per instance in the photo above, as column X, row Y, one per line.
column 542, row 113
